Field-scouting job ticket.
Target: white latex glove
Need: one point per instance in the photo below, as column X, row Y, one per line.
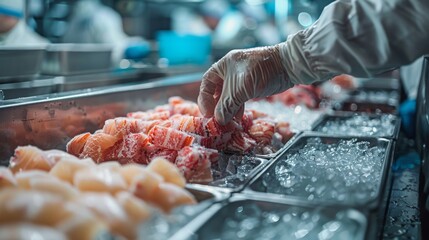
column 239, row 76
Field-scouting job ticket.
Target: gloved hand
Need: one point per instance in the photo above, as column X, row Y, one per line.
column 239, row 76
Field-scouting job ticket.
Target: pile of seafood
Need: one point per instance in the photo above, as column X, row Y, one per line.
column 177, row 132
column 312, row 96
column 112, row 180
column 59, row 196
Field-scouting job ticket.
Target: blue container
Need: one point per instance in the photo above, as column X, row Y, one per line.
column 184, row 48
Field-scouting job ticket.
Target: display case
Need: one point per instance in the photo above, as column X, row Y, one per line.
column 50, row 121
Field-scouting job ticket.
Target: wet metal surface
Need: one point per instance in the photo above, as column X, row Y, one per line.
column 403, row 214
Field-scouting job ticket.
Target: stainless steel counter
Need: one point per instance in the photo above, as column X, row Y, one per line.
column 50, row 84
column 403, row 215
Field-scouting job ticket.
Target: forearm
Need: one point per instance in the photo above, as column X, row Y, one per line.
column 359, row 38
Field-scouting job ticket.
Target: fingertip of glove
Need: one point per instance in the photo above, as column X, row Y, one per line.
column 222, row 116
column 205, row 106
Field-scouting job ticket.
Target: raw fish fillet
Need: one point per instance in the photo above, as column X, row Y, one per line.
column 144, row 185
column 262, row 131
column 25, row 231
column 30, row 157
column 136, row 209
column 169, row 138
column 6, row 178
column 97, row 146
column 129, row 149
column 119, row 127
column 99, row 179
column 168, row 171
column 194, row 163
column 75, row 145
column 131, row 171
column 241, row 142
column 67, row 168
column 23, row 178
column 110, row 211
column 283, row 128
column 169, row 196
column 152, row 151
column 150, row 115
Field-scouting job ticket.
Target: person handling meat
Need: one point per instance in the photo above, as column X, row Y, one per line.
column 355, row 37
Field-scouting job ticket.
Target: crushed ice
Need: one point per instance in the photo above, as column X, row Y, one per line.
column 347, row 171
column 360, row 125
column 249, row 221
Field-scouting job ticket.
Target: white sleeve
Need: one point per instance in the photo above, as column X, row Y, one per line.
column 358, row 37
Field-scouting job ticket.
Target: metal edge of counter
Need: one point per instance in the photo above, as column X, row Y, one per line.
column 154, row 83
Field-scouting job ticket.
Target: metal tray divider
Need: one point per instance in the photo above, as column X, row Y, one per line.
column 269, row 162
column 218, row 194
column 221, row 190
column 192, row 227
column 230, row 190
column 273, row 155
column 379, row 219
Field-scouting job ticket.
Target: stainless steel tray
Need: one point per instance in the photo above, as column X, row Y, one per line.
column 68, row 59
column 162, row 226
column 261, row 213
column 20, row 62
column 256, row 186
column 343, row 116
column 34, row 87
column 372, row 99
column 387, row 83
column 380, row 96
column 353, row 106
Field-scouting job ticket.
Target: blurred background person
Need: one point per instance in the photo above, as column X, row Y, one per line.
column 13, row 29
column 93, row 22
